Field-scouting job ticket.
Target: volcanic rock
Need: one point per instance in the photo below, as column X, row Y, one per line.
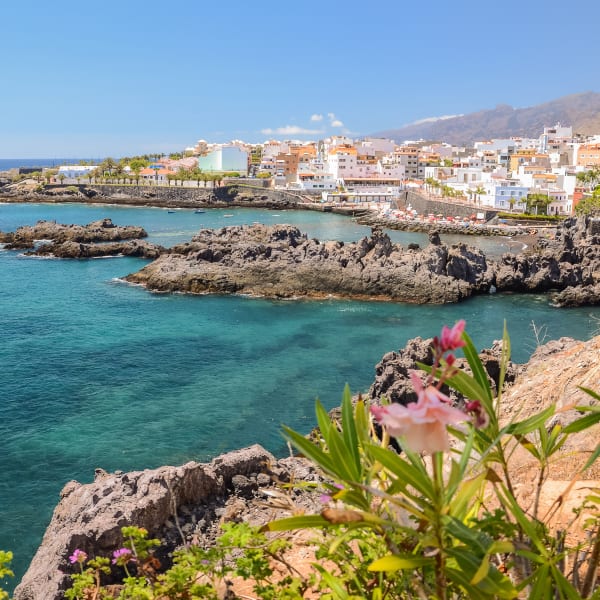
column 280, row 261
column 192, row 499
column 571, row 259
column 103, row 230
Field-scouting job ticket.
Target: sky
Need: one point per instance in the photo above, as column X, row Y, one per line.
column 121, row 78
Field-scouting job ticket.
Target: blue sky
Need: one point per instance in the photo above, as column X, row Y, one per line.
column 130, row 77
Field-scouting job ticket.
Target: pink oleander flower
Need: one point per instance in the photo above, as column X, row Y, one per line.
column 122, row 556
column 451, row 339
column 78, row 556
column 421, row 424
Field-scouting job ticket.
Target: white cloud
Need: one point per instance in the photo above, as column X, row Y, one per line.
column 290, row 130
column 336, row 123
column 316, row 118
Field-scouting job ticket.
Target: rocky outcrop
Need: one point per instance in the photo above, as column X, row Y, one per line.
column 572, row 259
column 392, row 374
column 280, row 261
column 103, row 230
column 70, row 249
column 585, row 295
column 170, row 502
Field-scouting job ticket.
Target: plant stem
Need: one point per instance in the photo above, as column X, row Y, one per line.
column 440, row 557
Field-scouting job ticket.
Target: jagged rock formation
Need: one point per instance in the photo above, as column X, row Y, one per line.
column 392, row 373
column 100, row 238
column 103, row 230
column 571, row 260
column 280, row 261
column 78, row 250
column 192, row 500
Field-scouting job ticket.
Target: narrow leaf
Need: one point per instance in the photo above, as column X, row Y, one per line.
column 349, row 428
column 300, row 522
column 530, row 424
column 392, row 562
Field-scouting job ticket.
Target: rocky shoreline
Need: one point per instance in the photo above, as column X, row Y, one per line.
column 282, row 262
column 97, row 239
column 187, row 504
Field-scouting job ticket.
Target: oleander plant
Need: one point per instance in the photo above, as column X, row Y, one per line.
column 420, row 503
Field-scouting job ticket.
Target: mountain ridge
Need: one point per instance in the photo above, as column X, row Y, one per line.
column 580, row 111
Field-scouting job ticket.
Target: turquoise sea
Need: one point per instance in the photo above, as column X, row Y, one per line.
column 97, row 373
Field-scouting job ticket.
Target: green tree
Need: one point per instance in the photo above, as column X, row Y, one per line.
column 62, row 178
column 590, row 205
column 108, row 165
column 590, row 178
column 480, row 191
column 538, row 203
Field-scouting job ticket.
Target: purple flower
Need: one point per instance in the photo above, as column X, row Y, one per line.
column 122, row 556
column 78, row 556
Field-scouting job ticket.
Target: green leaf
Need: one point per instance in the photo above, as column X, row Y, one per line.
column 393, row 562
column 482, row 571
column 528, row 445
column 592, row 459
column 492, row 582
column 591, row 393
column 334, row 583
column 323, row 421
column 341, row 456
column 479, row 372
column 582, row 423
column 542, row 585
column 407, row 473
column 310, row 450
column 530, row 424
column 300, row 522
column 349, row 428
column 466, row 493
column 504, row 359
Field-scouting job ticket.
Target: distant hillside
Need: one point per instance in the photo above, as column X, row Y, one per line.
column 581, row 111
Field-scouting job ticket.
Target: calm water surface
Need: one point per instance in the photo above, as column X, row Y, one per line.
column 96, row 373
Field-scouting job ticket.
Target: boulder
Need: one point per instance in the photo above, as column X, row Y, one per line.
column 191, row 499
column 103, row 230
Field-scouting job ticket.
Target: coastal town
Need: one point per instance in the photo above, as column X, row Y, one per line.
column 547, row 175
column 490, row 186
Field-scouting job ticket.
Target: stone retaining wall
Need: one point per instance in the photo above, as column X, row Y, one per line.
column 180, row 197
column 425, row 205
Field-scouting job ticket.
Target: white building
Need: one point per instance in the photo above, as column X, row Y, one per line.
column 272, row 148
column 375, row 146
column 504, row 194
column 342, row 162
column 225, row 158
column 313, row 182
column 75, row 171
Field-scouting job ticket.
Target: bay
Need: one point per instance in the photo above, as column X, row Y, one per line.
column 96, row 373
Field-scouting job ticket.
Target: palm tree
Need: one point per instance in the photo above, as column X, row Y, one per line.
column 136, row 171
column 480, row 191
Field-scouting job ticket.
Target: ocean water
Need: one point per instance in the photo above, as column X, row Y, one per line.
column 97, row 373
column 13, row 163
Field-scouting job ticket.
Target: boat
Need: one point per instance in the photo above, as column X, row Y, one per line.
column 171, row 212
column 199, row 212
column 227, row 215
